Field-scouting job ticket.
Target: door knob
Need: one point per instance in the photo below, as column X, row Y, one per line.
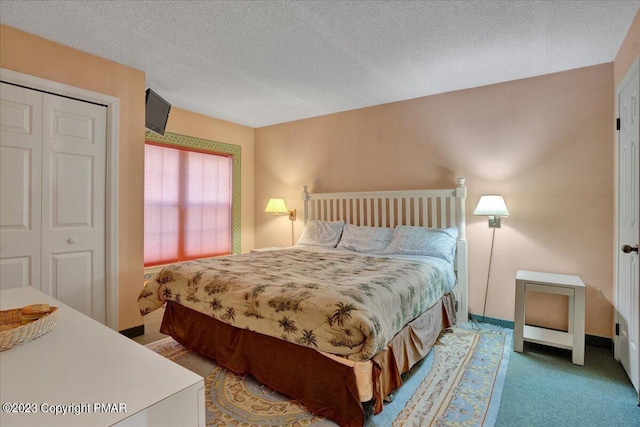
column 627, row 249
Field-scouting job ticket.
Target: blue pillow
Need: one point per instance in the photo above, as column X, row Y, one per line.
column 365, row 239
column 436, row 242
column 321, row 233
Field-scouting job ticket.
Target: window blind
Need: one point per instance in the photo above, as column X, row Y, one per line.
column 187, row 204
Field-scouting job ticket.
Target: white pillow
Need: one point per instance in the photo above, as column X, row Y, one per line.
column 436, row 242
column 365, row 239
column 321, row 233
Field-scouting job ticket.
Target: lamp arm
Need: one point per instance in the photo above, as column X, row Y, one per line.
column 486, row 292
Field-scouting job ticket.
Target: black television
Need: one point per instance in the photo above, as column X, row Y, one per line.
column 156, row 112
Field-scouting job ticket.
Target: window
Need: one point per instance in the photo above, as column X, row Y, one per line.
column 188, row 209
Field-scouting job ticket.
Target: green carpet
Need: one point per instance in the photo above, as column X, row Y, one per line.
column 543, row 388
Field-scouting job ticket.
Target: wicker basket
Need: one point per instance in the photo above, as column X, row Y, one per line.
column 13, row 332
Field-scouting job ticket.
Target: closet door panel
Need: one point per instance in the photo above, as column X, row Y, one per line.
column 74, row 153
column 72, row 206
column 20, row 186
column 71, row 276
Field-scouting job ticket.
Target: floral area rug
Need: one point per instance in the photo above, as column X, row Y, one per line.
column 464, row 385
column 458, row 384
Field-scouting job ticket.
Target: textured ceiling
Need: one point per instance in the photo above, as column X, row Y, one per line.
column 260, row 63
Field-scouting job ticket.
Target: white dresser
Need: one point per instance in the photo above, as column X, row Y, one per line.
column 99, row 377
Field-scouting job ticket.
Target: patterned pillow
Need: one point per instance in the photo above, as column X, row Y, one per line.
column 436, row 242
column 365, row 239
column 321, row 233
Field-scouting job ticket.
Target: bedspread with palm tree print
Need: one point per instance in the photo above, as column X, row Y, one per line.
column 340, row 303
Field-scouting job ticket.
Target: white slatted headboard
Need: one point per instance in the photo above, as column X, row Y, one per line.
column 423, row 208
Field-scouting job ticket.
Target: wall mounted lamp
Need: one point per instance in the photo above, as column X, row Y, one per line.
column 493, row 206
column 279, row 207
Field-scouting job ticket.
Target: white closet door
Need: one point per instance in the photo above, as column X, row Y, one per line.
column 52, row 197
column 628, row 281
column 73, row 200
column 20, row 186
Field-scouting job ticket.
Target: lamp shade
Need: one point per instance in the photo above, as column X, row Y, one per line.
column 276, row 206
column 491, row 205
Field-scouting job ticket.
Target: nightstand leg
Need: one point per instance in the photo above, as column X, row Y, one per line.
column 518, row 331
column 571, row 310
column 578, row 327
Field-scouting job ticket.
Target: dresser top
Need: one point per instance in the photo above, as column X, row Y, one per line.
column 80, row 362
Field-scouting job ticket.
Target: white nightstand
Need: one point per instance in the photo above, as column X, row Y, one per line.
column 551, row 283
column 272, row 248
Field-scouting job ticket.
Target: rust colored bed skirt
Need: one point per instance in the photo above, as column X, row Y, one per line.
column 408, row 347
column 324, row 386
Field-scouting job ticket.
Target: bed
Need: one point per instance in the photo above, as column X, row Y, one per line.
column 336, row 319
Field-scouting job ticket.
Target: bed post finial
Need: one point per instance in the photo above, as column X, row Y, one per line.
column 305, row 198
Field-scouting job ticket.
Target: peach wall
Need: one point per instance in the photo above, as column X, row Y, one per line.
column 628, row 51
column 185, row 122
column 544, row 143
column 29, row 54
